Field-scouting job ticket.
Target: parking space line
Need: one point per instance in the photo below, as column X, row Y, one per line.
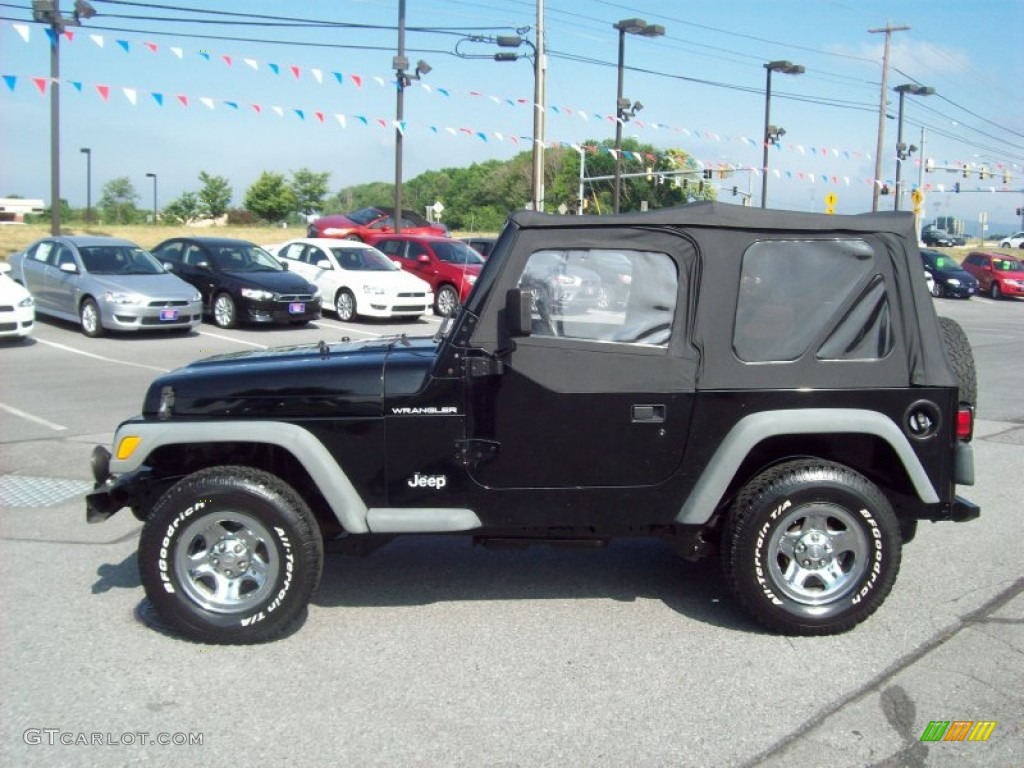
column 232, row 338
column 29, row 417
column 100, row 357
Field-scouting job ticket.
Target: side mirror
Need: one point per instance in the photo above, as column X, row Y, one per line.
column 324, row 264
column 204, row 265
column 170, row 266
column 519, row 312
column 284, row 264
column 70, row 267
column 423, row 259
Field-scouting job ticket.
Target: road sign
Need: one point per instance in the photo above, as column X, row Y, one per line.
column 830, row 202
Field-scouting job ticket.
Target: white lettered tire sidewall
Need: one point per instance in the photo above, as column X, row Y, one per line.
column 783, row 509
column 230, row 555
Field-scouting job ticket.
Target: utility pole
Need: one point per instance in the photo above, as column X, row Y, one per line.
column 879, row 148
column 540, row 66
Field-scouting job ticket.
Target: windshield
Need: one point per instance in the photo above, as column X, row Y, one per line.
column 1008, row 265
column 241, row 257
column 364, row 260
column 457, row 252
column 365, row 215
column 119, row 260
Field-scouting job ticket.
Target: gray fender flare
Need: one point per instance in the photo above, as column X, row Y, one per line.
column 330, row 478
column 756, row 427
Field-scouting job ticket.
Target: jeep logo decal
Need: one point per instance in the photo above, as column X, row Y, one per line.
column 438, row 482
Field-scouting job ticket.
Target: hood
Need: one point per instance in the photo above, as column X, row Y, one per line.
column 339, row 380
column 278, row 282
column 162, row 286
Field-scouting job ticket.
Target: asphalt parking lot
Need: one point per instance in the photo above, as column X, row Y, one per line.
column 433, row 653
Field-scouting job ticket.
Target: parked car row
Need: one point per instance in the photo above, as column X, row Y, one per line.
column 993, row 273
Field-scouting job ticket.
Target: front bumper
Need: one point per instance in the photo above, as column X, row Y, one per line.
column 293, row 311
column 154, row 316
column 1011, row 289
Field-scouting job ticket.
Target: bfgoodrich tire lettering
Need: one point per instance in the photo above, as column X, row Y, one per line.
column 230, row 555
column 812, row 548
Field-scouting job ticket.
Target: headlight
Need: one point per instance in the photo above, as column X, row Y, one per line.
column 26, row 302
column 257, row 294
column 197, row 297
column 374, row 290
column 331, row 231
column 952, row 281
column 123, row 298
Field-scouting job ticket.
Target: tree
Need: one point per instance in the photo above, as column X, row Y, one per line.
column 215, row 195
column 118, row 201
column 309, row 189
column 270, row 198
column 184, row 210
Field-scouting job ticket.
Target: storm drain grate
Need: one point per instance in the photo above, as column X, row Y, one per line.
column 26, row 491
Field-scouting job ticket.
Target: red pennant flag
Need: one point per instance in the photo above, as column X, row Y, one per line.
column 183, row 100
column 104, row 91
column 319, row 116
column 226, row 59
column 151, row 46
column 358, row 80
column 258, row 108
column 382, row 122
column 69, row 35
column 41, row 84
column 295, row 71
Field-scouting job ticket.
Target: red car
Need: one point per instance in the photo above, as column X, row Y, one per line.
column 450, row 266
column 366, row 222
column 998, row 274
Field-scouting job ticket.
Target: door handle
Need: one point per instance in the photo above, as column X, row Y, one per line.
column 648, row 414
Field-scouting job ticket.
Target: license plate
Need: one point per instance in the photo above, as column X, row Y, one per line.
column 296, row 308
column 168, row 315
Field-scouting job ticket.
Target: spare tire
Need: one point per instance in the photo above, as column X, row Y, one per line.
column 961, row 359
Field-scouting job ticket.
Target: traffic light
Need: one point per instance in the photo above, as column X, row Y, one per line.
column 983, row 172
column 707, row 173
column 956, row 187
column 1006, row 176
column 929, row 165
column 734, row 191
column 884, row 190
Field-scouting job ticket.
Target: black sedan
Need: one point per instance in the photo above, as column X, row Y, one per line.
column 950, row 278
column 240, row 282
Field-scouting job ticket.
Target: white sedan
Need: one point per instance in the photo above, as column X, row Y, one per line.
column 1013, row 241
column 356, row 278
column 17, row 308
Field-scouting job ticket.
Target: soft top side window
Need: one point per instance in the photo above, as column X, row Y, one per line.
column 596, row 294
column 790, row 290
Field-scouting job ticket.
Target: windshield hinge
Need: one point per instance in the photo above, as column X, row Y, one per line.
column 473, row 453
column 484, row 366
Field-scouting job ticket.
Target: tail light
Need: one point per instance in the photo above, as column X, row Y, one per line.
column 965, row 422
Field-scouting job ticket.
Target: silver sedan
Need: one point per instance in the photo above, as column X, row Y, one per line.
column 105, row 284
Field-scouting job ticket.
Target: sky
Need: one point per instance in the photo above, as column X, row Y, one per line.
column 233, row 88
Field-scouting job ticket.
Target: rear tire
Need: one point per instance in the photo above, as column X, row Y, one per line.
column 230, row 555
column 811, row 548
column 961, row 359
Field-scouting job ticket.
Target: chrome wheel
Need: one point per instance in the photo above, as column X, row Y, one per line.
column 90, row 319
column 226, row 563
column 447, row 301
column 224, row 314
column 345, row 305
column 818, row 553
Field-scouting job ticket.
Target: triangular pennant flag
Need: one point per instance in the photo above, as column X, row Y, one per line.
column 226, row 59
column 104, row 91
column 252, row 63
column 318, row 75
column 49, row 34
column 183, row 100
column 358, row 80
column 362, row 119
column 131, row 94
column 399, row 126
column 151, row 46
column 380, row 80
column 341, row 120
column 40, row 83
column 125, row 45
column 11, row 80
column 158, row 98
column 257, row 109
column 339, row 77
column 301, row 114
column 98, row 39
column 206, row 102
column 295, row 71
column 275, row 69
column 179, row 52
column 382, row 122
column 69, row 35
column 482, row 135
column 205, row 55
column 232, row 104
column 22, row 30
column 319, row 116
column 444, row 91
column 277, row 111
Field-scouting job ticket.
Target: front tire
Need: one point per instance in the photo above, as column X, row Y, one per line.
column 89, row 317
column 811, row 548
column 345, row 305
column 994, row 290
column 447, row 301
column 937, row 291
column 230, row 555
column 225, row 313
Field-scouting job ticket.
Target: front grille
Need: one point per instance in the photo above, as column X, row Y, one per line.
column 420, row 295
column 290, row 297
column 166, row 303
column 6, row 308
column 409, row 308
column 182, row 320
column 4, row 327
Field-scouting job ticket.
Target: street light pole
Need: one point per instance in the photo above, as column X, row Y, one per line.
column 403, row 80
column 771, row 133
column 88, row 183
column 880, row 146
column 153, row 176
column 623, row 109
column 903, row 152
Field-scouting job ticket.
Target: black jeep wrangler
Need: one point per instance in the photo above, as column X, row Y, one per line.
column 773, row 388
